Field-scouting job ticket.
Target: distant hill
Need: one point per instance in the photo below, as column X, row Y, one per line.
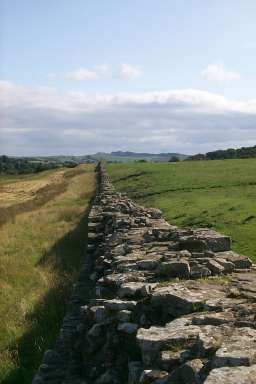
column 231, row 153
column 124, row 156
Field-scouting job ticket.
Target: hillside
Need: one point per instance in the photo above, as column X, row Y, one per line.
column 217, row 194
column 127, row 156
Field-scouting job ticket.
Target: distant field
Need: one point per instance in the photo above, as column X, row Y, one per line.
column 219, row 194
column 42, row 244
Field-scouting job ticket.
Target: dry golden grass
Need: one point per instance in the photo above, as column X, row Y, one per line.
column 23, row 190
column 40, row 254
column 27, row 194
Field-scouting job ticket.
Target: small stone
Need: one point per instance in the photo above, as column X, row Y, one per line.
column 227, row 265
column 133, row 289
column 174, row 268
column 189, row 373
column 118, row 305
column 127, row 327
column 198, row 271
column 192, row 244
column 215, row 267
column 124, row 315
column 148, row 264
column 154, row 376
column 171, row 359
column 99, row 313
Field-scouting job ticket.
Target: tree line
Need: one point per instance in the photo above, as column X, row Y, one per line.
column 231, row 153
column 19, row 166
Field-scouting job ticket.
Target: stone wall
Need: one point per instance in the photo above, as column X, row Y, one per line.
column 155, row 304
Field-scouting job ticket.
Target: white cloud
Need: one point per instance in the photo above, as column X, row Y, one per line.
column 46, row 121
column 128, row 72
column 218, row 73
column 124, row 72
column 82, row 74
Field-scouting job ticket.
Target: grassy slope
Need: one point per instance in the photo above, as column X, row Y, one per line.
column 219, row 194
column 41, row 251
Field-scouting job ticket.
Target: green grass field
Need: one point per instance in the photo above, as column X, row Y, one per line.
column 219, row 194
column 41, row 250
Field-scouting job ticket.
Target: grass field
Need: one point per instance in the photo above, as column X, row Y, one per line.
column 219, row 194
column 41, row 248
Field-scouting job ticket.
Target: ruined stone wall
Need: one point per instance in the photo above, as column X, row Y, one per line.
column 155, row 304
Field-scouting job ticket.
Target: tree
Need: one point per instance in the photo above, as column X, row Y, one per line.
column 174, row 159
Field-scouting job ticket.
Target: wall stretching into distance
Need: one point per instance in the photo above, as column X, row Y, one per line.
column 155, row 304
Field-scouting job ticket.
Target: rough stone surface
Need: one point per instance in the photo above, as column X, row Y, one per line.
column 234, row 375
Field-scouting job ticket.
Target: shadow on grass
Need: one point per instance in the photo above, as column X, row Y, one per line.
column 65, row 259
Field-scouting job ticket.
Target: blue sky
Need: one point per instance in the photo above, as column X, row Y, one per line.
column 76, row 71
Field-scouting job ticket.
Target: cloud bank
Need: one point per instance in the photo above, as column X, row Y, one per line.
column 46, row 121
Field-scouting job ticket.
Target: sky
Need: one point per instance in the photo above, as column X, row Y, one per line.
column 83, row 76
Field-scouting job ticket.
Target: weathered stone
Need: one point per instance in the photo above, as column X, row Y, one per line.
column 148, row 263
column 174, row 268
column 227, row 265
column 209, row 339
column 238, row 349
column 240, row 261
column 127, row 327
column 124, row 315
column 215, row 241
column 232, row 375
column 176, row 299
column 155, row 339
column 154, row 377
column 154, row 213
column 134, row 289
column 189, row 373
column 171, row 359
column 213, row 318
column 99, row 313
column 198, row 271
column 115, row 280
column 192, row 244
column 215, row 267
column 118, row 305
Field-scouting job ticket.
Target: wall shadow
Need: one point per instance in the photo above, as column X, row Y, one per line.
column 65, row 258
